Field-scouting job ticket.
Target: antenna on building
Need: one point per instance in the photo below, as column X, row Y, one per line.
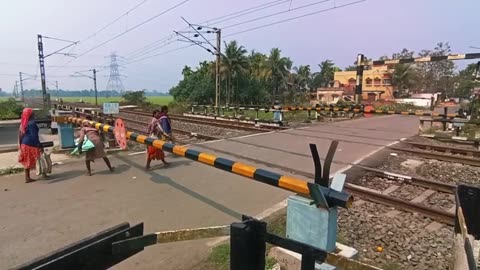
column 114, row 80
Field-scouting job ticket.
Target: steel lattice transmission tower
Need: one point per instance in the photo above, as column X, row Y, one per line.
column 114, row 80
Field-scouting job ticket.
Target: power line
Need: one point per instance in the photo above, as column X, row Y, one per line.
column 114, row 21
column 134, row 27
column 250, row 12
column 275, row 14
column 294, row 18
column 128, row 30
column 157, row 46
column 158, row 54
column 238, row 12
column 150, row 47
column 252, row 29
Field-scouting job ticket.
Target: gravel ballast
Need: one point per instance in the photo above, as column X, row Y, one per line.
column 398, row 241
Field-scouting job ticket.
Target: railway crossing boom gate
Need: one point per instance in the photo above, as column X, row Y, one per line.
column 362, row 63
column 315, row 202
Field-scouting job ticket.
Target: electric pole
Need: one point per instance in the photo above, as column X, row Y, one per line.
column 95, row 85
column 15, row 89
column 41, row 60
column 56, row 87
column 21, row 86
column 197, row 31
column 94, row 78
column 217, row 72
column 359, row 80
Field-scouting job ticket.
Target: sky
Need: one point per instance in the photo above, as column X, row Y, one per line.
column 371, row 27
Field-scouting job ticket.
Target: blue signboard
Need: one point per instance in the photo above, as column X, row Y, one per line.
column 110, row 108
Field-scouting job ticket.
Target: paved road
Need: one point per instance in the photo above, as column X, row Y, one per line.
column 40, row 217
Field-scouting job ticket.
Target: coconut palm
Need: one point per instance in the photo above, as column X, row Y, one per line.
column 234, row 64
column 279, row 69
column 404, row 77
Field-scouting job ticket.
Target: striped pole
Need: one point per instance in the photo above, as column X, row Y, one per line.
column 306, row 188
column 358, row 85
column 421, row 59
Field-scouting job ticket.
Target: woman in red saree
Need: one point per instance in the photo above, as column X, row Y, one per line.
column 155, row 131
column 28, row 142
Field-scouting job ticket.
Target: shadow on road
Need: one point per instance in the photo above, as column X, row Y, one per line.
column 162, row 179
column 69, row 175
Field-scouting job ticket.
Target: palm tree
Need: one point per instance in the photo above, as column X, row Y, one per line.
column 404, row 77
column 279, row 69
column 234, row 64
column 258, row 66
column 304, row 76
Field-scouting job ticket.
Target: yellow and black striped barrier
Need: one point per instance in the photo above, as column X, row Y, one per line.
column 333, row 197
column 343, row 109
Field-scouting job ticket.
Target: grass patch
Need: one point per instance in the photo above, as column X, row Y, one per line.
column 11, row 170
column 219, row 257
column 391, row 266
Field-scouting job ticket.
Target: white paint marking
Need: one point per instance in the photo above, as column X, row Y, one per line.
column 260, row 216
column 137, row 153
column 362, row 158
column 253, row 135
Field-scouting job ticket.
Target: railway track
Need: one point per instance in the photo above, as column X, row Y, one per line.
column 441, row 215
column 181, row 136
column 443, row 153
column 236, row 125
column 378, row 196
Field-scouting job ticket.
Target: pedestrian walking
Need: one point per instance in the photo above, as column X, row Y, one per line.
column 155, row 131
column 91, row 134
column 165, row 124
column 29, row 146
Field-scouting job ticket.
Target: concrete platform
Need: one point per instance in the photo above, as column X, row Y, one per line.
column 43, row 216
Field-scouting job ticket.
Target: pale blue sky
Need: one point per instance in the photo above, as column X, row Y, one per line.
column 373, row 27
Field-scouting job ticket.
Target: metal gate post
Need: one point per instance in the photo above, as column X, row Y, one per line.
column 247, row 245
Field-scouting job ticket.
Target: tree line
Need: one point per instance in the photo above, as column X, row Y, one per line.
column 255, row 78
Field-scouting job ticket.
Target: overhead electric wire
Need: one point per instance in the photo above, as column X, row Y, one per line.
column 157, row 46
column 294, row 18
column 114, row 21
column 134, row 27
column 249, row 12
column 211, row 21
column 237, row 12
column 128, row 30
column 274, row 14
column 253, row 28
column 58, row 39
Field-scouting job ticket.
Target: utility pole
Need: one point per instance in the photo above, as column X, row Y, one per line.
column 94, row 78
column 41, row 60
column 197, row 31
column 95, row 85
column 217, row 72
column 56, row 87
column 21, row 86
column 15, row 89
column 359, row 81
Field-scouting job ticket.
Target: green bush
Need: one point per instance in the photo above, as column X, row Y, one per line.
column 135, row 97
column 10, row 109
